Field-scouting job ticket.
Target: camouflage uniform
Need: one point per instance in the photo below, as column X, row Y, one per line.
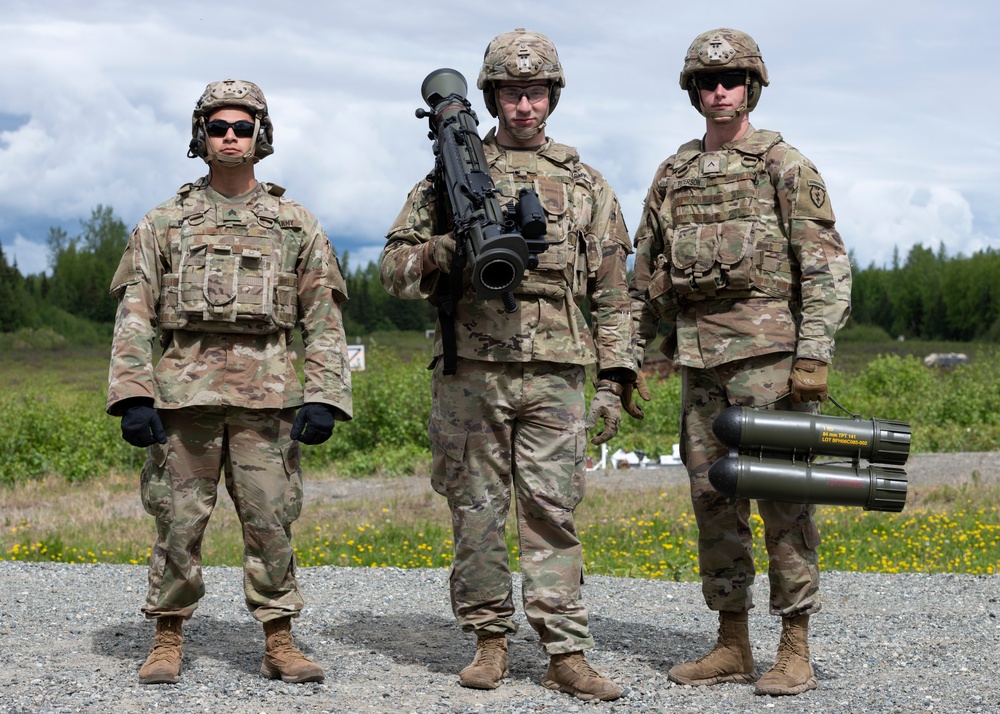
column 225, row 386
column 512, row 417
column 737, row 253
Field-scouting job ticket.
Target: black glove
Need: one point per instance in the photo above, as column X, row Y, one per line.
column 141, row 426
column 314, row 423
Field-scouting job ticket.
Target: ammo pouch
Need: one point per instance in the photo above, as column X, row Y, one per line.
column 726, row 241
column 229, row 278
column 570, row 257
column 708, row 259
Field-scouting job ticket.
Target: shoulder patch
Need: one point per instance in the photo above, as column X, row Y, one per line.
column 817, row 193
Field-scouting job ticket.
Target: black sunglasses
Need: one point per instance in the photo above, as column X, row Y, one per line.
column 217, row 128
column 729, row 80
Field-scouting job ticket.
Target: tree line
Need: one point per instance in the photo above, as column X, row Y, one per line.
column 929, row 295
column 932, row 296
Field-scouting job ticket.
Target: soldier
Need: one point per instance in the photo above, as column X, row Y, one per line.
column 227, row 269
column 737, row 253
column 511, row 417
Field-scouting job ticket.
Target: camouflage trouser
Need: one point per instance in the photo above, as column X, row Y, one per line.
column 179, row 486
column 501, row 426
column 725, row 545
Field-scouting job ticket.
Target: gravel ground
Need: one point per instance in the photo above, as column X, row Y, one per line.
column 72, row 640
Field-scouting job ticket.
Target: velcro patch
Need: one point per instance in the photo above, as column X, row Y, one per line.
column 817, row 193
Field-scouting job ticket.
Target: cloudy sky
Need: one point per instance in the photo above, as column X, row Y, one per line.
column 888, row 99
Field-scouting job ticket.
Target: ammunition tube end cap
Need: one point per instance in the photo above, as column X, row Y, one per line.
column 724, row 475
column 888, row 489
column 891, row 442
column 728, row 427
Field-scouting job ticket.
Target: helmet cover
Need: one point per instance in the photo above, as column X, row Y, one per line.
column 724, row 50
column 232, row 93
column 521, row 55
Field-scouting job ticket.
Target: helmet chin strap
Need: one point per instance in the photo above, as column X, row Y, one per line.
column 522, row 134
column 525, row 134
column 232, row 161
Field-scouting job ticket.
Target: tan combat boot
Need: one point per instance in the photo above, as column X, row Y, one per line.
column 163, row 666
column 489, row 665
column 282, row 659
column 730, row 661
column 792, row 673
column 572, row 674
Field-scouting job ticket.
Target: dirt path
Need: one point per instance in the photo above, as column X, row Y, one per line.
column 922, row 470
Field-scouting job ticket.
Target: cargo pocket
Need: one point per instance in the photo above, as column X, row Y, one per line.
column 155, row 488
column 560, row 488
column 449, row 475
column 291, row 457
column 810, row 535
column 578, row 487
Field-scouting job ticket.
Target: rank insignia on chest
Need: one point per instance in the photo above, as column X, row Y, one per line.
column 712, row 164
column 231, row 216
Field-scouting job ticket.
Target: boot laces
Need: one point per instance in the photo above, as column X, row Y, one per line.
column 165, row 645
column 719, row 645
column 583, row 668
column 489, row 653
column 282, row 645
column 786, row 654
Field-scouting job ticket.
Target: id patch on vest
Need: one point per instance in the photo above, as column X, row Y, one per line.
column 693, row 182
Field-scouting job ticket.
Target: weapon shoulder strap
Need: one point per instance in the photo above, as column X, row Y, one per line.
column 449, row 291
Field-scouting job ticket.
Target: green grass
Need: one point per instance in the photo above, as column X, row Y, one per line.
column 62, row 460
column 958, row 537
column 633, row 533
column 52, row 419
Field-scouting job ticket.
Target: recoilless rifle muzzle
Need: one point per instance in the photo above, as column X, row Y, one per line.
column 772, row 457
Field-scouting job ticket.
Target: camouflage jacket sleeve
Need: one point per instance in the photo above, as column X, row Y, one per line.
column 652, row 296
column 401, row 265
column 321, row 291
column 808, row 220
column 136, row 284
column 610, row 307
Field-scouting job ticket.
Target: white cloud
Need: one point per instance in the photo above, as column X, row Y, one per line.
column 878, row 216
column 107, row 89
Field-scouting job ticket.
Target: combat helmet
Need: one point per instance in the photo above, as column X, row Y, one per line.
column 724, row 50
column 520, row 55
column 232, row 93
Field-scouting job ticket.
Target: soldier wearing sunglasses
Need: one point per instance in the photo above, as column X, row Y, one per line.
column 222, row 274
column 737, row 253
